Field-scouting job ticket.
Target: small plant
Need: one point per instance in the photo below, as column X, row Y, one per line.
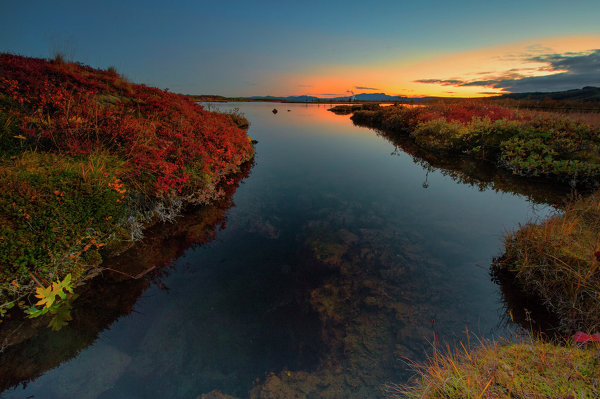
column 48, row 296
column 55, row 299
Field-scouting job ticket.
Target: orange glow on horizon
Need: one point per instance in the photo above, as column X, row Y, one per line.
column 481, row 64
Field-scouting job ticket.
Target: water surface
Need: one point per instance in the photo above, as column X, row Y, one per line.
column 340, row 257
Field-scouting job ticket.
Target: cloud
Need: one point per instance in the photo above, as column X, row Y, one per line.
column 443, row 82
column 571, row 70
column 305, row 85
column 365, row 88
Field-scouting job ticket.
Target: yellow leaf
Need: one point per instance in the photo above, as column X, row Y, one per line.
column 46, row 296
column 56, row 288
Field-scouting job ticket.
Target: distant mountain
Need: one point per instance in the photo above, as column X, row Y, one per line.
column 585, row 94
column 357, row 97
column 375, row 97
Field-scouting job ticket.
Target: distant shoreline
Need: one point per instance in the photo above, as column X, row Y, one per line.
column 282, row 101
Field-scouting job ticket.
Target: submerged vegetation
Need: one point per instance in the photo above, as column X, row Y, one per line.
column 87, row 160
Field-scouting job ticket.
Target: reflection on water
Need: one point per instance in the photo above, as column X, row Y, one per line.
column 336, row 261
column 37, row 349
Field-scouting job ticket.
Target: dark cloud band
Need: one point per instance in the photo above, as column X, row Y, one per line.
column 573, row 70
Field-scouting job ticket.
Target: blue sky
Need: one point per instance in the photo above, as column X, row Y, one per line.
column 279, row 47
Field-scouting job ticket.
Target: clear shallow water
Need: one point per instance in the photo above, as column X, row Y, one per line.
column 338, row 258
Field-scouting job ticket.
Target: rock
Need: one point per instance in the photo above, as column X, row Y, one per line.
column 274, row 110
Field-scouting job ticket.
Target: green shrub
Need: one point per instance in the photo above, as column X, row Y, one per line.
column 440, row 135
column 55, row 210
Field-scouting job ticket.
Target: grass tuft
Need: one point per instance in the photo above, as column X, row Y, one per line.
column 559, row 261
column 511, row 370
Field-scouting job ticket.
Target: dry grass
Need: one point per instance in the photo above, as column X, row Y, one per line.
column 589, row 118
column 516, row 370
column 559, row 260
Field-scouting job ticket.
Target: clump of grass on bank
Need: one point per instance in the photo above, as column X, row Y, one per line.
column 558, row 260
column 345, row 109
column 541, row 144
column 88, row 159
column 517, row 370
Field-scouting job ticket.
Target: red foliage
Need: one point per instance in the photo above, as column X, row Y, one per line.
column 583, row 337
column 75, row 109
column 465, row 111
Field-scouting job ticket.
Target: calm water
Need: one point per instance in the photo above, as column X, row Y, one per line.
column 337, row 259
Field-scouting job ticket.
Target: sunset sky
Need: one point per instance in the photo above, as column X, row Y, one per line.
column 322, row 48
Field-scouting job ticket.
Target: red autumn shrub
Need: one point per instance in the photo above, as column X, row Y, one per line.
column 465, row 111
column 75, row 109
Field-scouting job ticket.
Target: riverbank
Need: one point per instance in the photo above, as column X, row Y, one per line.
column 88, row 160
column 533, row 369
column 525, row 143
column 556, row 261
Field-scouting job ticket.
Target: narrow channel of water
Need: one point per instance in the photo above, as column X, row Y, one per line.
column 340, row 257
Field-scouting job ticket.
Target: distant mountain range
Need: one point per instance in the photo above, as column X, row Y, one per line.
column 357, row 97
column 587, row 93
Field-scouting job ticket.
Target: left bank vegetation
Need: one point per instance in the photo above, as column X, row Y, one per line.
column 88, row 160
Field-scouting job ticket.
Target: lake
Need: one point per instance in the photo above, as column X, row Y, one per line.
column 337, row 257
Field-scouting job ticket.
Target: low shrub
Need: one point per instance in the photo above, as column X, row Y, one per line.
column 87, row 158
column 546, row 145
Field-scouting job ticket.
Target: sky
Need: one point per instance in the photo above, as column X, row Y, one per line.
column 325, row 48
